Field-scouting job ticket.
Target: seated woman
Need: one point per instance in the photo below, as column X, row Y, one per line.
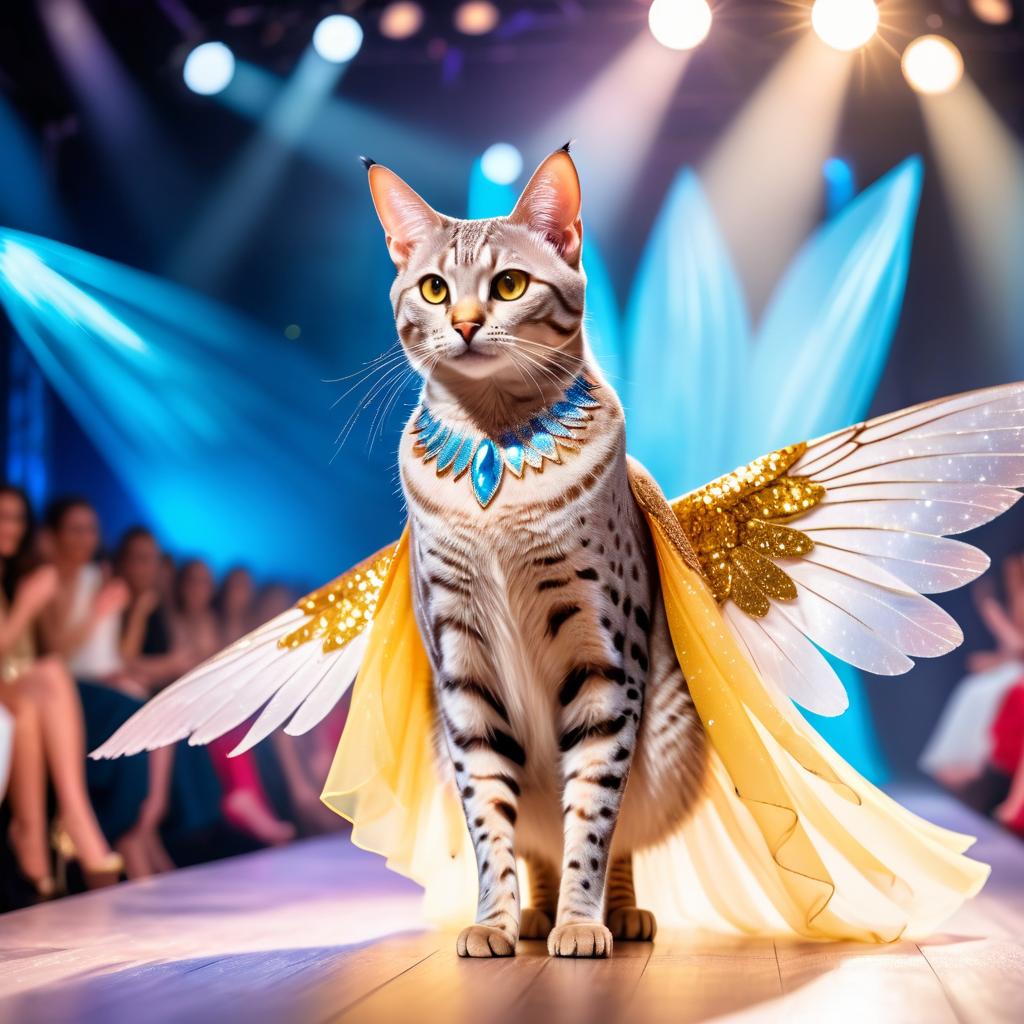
column 83, row 625
column 197, row 634
column 49, row 739
column 146, row 624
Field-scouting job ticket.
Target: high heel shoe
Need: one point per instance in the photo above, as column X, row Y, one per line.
column 45, row 886
column 105, row 872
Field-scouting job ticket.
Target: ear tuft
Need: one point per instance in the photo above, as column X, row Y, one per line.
column 367, row 161
column 565, row 148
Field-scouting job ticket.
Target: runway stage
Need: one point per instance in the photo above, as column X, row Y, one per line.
column 321, row 932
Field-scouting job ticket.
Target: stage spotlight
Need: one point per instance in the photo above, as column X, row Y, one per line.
column 209, row 69
column 476, row 18
column 932, row 65
column 844, row 24
column 337, row 38
column 401, row 20
column 679, row 24
column 992, row 12
column 501, row 163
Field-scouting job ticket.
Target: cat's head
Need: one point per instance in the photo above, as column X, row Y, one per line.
column 495, row 298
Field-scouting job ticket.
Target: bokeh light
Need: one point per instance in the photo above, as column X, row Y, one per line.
column 845, row 24
column 502, row 163
column 992, row 12
column 932, row 65
column 209, row 69
column 337, row 38
column 679, row 24
column 401, row 20
column 476, row 18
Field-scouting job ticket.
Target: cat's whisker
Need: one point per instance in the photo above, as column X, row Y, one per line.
column 386, row 380
column 385, row 407
column 368, row 365
column 367, row 374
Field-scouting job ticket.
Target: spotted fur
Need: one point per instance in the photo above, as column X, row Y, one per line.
column 561, row 710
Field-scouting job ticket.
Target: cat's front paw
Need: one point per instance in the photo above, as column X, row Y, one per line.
column 580, row 939
column 480, row 940
column 535, row 923
column 631, row 924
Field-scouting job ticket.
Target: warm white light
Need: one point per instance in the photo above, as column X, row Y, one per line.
column 401, row 20
column 502, row 163
column 844, row 24
column 992, row 12
column 932, row 65
column 209, row 69
column 476, row 18
column 337, row 38
column 679, row 24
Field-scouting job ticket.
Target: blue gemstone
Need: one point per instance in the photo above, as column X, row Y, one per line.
column 580, row 396
column 552, row 426
column 486, row 473
column 540, row 439
column 463, row 459
column 436, row 443
column 565, row 411
column 512, row 452
column 423, row 421
column 448, row 451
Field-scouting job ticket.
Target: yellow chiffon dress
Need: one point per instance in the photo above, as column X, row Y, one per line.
column 787, row 837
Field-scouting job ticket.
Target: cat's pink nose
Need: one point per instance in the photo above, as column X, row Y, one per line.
column 467, row 328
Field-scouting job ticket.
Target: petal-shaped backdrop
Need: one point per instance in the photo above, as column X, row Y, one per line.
column 824, row 339
column 818, row 355
column 219, row 427
column 687, row 338
column 488, row 199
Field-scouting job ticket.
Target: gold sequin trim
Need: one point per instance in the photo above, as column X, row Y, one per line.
column 649, row 497
column 339, row 611
column 738, row 528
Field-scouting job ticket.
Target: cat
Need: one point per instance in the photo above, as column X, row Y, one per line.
column 560, row 705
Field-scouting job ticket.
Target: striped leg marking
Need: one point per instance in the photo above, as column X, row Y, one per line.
column 599, row 736
column 539, row 918
column 625, row 920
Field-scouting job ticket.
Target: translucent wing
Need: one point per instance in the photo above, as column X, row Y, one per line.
column 832, row 544
column 293, row 669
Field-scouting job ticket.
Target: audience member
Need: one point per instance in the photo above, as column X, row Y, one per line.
column 198, row 634
column 49, row 736
column 146, row 642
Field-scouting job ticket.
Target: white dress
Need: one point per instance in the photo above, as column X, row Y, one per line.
column 99, row 655
column 961, row 740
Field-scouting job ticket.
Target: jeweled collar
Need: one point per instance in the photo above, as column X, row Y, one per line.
column 529, row 444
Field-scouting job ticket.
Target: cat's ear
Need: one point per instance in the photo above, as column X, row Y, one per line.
column 405, row 216
column 550, row 204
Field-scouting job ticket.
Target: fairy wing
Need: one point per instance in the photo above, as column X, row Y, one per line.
column 293, row 669
column 830, row 545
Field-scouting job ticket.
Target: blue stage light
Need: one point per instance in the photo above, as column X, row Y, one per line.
column 337, row 38
column 209, row 69
column 840, row 183
column 502, row 163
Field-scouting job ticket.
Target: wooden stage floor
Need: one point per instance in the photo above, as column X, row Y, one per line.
column 320, row 932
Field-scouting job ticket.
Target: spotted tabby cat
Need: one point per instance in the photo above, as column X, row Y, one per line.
column 559, row 701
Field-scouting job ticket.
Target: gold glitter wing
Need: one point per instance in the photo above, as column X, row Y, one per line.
column 739, row 529
column 340, row 610
column 289, row 672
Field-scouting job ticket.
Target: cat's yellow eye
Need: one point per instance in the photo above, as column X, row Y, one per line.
column 509, row 285
column 433, row 289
